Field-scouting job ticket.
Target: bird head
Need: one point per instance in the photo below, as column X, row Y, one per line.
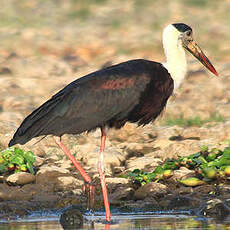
column 188, row 42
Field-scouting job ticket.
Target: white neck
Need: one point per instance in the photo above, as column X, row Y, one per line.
column 175, row 55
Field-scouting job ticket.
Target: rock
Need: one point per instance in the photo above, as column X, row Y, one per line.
column 66, row 164
column 57, row 178
column 119, row 189
column 224, row 190
column 179, row 202
column 117, row 180
column 15, row 103
column 216, row 208
column 182, row 173
column 38, row 161
column 151, row 189
column 48, row 173
column 112, row 158
column 135, row 149
column 71, row 218
column 53, row 154
column 72, row 200
column 4, row 140
column 2, row 179
column 182, row 148
column 67, row 182
column 16, row 194
column 204, row 190
column 146, row 163
column 5, row 70
column 118, row 170
column 182, row 202
column 77, row 192
column 121, row 193
column 14, row 210
column 128, row 133
column 20, row 178
column 38, row 151
column 184, row 190
column 45, row 197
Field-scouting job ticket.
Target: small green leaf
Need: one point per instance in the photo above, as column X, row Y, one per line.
column 158, row 170
column 224, row 161
column 23, row 168
column 18, row 151
column 204, row 148
column 195, row 155
column 202, row 160
column 137, row 171
column 227, row 150
column 29, row 156
column 7, row 154
column 209, row 172
column 192, row 181
column 131, row 174
column 211, row 156
column 167, row 173
column 151, row 176
column 17, row 159
column 30, row 167
column 215, row 163
column 1, row 160
column 171, row 165
column 227, row 171
column 3, row 168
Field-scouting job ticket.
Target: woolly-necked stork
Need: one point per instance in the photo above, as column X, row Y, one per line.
column 132, row 91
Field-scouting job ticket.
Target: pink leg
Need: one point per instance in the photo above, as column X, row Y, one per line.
column 82, row 172
column 102, row 176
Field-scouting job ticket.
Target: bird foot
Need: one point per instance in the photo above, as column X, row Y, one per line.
column 89, row 190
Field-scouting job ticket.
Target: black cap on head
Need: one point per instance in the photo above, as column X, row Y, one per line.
column 182, row 27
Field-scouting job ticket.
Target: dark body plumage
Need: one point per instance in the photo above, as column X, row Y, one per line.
column 134, row 91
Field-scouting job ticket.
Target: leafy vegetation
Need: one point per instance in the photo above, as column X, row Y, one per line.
column 209, row 165
column 13, row 160
column 193, row 121
column 198, row 3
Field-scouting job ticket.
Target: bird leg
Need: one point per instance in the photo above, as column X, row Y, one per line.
column 88, row 187
column 102, row 176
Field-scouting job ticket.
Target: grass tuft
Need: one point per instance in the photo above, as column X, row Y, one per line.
column 193, row 121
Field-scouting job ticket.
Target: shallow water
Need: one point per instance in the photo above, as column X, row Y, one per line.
column 158, row 221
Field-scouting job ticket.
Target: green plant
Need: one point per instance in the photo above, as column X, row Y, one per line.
column 82, row 13
column 192, row 121
column 208, row 164
column 14, row 160
column 197, row 3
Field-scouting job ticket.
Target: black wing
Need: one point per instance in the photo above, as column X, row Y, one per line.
column 105, row 97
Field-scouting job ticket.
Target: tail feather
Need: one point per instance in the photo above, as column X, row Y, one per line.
column 36, row 115
column 34, row 124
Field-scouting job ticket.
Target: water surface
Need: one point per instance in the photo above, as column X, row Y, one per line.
column 158, row 221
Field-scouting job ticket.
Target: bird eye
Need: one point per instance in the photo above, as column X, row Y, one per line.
column 189, row 33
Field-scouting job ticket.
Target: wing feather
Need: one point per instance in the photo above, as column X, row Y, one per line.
column 92, row 101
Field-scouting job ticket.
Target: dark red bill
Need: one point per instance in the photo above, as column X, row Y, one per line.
column 196, row 51
column 205, row 61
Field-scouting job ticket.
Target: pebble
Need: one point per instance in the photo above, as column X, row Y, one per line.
column 20, row 178
column 151, row 189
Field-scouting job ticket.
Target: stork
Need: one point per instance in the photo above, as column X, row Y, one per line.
column 133, row 91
